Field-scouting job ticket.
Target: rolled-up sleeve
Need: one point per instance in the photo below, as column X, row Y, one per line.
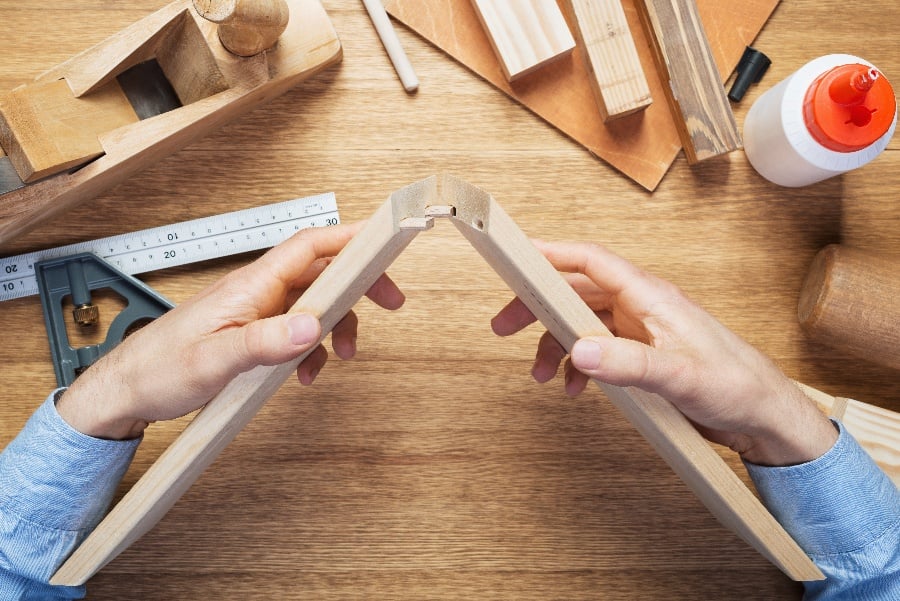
column 845, row 513
column 55, row 486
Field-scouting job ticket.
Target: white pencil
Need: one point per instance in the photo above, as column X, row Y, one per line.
column 392, row 45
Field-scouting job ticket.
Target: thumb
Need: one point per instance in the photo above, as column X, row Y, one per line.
column 621, row 362
column 274, row 340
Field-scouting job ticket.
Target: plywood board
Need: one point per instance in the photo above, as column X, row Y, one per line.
column 642, row 146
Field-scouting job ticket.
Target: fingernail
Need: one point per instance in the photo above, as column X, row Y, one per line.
column 586, row 354
column 303, row 328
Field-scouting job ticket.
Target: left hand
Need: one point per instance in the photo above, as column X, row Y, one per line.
column 182, row 360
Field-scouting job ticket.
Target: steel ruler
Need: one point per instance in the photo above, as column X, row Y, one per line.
column 181, row 243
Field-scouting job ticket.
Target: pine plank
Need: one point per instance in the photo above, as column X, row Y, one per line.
column 525, row 34
column 612, row 60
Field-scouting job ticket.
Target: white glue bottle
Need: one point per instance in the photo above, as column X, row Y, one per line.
column 834, row 114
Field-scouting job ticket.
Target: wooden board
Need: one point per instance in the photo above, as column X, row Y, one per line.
column 525, row 34
column 611, row 58
column 693, row 87
column 641, row 146
column 512, row 255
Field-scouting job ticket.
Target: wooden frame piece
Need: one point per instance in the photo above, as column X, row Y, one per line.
column 611, row 57
column 528, row 273
column 691, row 81
column 525, row 34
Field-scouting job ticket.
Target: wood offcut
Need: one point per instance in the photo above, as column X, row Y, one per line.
column 611, row 57
column 691, row 79
column 525, row 34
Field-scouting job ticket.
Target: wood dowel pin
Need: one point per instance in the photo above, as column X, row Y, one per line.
column 392, row 45
column 850, row 300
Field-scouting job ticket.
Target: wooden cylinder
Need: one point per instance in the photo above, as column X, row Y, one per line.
column 850, row 300
column 246, row 27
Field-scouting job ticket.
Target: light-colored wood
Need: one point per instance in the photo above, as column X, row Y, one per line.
column 308, row 45
column 246, row 27
column 330, row 298
column 392, row 45
column 559, row 308
column 46, row 129
column 691, row 79
column 611, row 58
column 641, row 146
column 525, row 34
column 484, row 224
column 877, row 429
column 432, row 466
column 850, row 300
column 185, row 55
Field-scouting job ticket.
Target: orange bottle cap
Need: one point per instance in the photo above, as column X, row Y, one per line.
column 849, row 107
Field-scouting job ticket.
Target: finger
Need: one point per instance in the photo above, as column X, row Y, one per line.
column 612, row 274
column 576, row 381
column 550, row 354
column 290, row 260
column 310, row 367
column 512, row 318
column 595, row 297
column 624, row 362
column 385, row 293
column 343, row 336
column 269, row 341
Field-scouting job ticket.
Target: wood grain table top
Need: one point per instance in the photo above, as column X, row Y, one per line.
column 431, row 466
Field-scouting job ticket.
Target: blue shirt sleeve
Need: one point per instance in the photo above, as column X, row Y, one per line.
column 845, row 513
column 55, row 486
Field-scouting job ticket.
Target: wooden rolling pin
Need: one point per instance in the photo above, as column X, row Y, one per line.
column 850, row 300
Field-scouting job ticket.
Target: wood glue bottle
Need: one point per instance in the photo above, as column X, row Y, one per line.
column 834, row 114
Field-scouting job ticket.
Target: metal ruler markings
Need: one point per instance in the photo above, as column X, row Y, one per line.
column 182, row 243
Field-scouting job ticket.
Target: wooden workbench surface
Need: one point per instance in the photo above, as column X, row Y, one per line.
column 432, row 466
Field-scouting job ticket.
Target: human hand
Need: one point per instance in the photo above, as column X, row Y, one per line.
column 666, row 344
column 183, row 359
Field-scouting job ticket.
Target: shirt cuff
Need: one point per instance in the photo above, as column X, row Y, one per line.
column 834, row 504
column 54, row 476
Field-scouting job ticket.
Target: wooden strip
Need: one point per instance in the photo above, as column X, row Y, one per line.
column 694, row 87
column 611, row 57
column 329, row 298
column 525, row 34
column 534, row 280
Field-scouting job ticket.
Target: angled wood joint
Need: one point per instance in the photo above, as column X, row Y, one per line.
column 352, row 272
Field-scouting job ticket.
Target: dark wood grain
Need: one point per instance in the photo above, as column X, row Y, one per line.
column 432, row 467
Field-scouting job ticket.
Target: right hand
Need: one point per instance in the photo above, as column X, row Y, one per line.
column 666, row 344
